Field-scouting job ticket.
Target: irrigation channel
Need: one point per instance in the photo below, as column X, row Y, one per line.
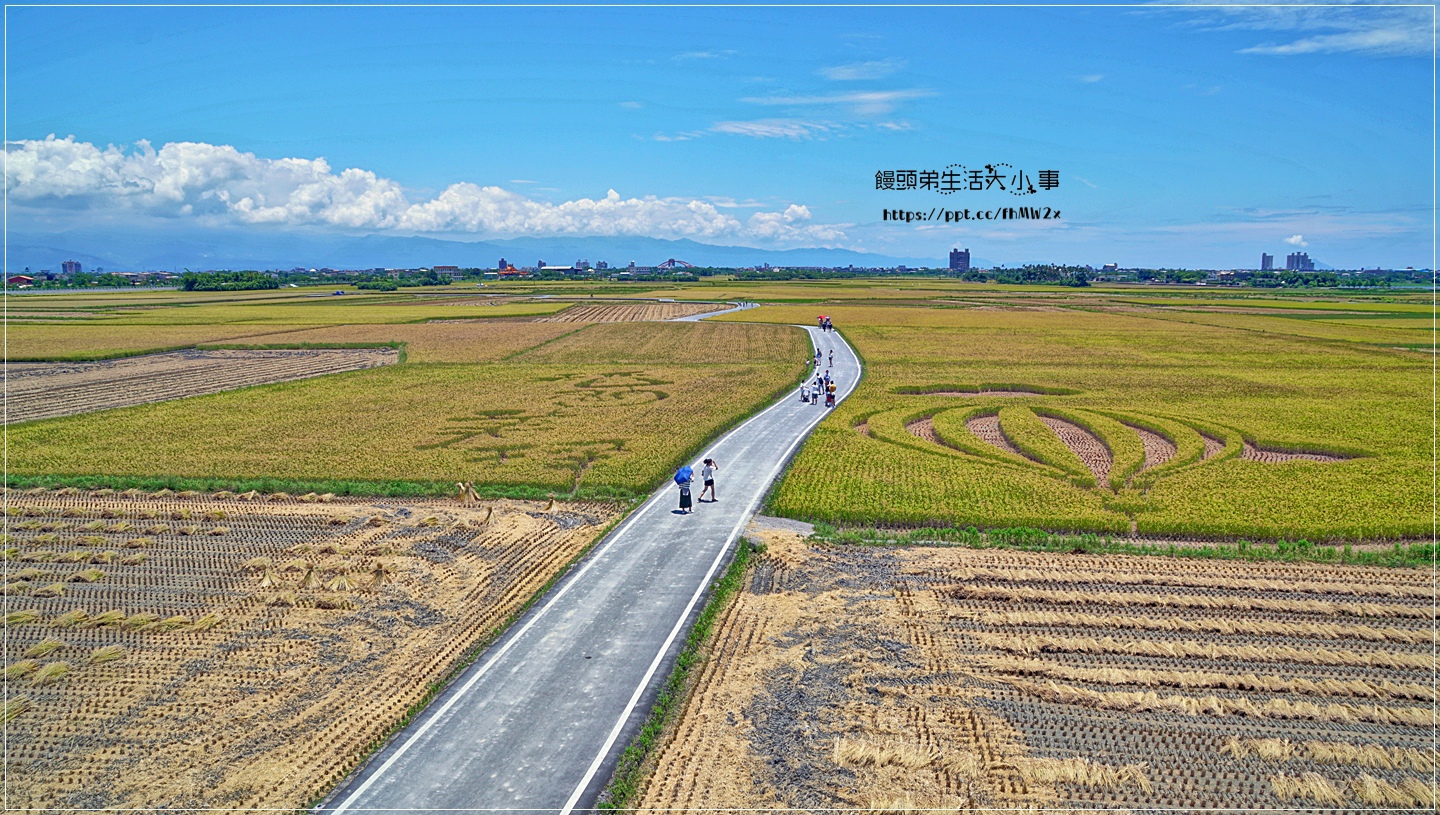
column 538, row 722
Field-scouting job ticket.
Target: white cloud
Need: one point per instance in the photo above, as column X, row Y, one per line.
column 220, row 184
column 1375, row 41
column 865, row 103
column 878, row 69
column 787, row 225
column 1296, row 240
column 631, row 105
column 718, row 54
column 794, row 129
column 1090, row 78
column 1378, row 29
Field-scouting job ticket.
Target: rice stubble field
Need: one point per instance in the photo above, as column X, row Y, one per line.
column 915, row 678
column 245, row 651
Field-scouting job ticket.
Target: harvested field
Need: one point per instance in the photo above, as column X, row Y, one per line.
column 99, row 340
column 862, row 677
column 987, row 429
column 249, row 665
column 629, row 312
column 440, row 341
column 1213, row 446
column 45, row 390
column 1158, row 449
column 1083, row 444
column 924, row 429
column 1253, row 453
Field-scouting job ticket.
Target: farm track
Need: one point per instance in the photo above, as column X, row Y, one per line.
column 305, row 661
column 629, row 312
column 869, row 677
column 45, row 390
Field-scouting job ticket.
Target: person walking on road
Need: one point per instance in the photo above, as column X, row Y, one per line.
column 682, row 480
column 707, row 475
column 832, row 358
column 805, row 393
column 830, row 394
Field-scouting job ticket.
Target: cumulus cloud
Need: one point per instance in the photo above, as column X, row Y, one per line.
column 219, row 183
column 1296, row 240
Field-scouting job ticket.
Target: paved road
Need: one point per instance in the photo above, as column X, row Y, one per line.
column 695, row 318
column 538, row 721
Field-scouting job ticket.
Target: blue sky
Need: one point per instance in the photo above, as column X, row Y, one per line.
column 1183, row 137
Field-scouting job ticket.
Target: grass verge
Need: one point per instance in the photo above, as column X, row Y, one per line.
column 1414, row 555
column 636, row 762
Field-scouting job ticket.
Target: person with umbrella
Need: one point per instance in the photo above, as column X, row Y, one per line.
column 683, row 477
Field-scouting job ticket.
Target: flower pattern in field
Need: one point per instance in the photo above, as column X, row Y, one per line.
column 1093, row 448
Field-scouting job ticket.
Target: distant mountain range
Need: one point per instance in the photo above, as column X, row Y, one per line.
column 229, row 249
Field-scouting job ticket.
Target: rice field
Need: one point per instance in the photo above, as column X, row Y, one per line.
column 558, row 425
column 245, row 651
column 1115, row 422
column 914, row 678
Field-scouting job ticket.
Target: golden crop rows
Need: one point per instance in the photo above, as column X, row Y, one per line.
column 554, row 424
column 1249, row 434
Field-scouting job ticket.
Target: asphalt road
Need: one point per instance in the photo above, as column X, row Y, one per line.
column 695, row 318
column 539, row 720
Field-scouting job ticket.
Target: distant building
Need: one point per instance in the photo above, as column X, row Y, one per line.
column 1110, row 267
column 600, row 264
column 19, row 280
column 452, row 272
column 502, row 265
column 70, row 267
column 1267, row 262
column 1299, row 262
column 959, row 260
